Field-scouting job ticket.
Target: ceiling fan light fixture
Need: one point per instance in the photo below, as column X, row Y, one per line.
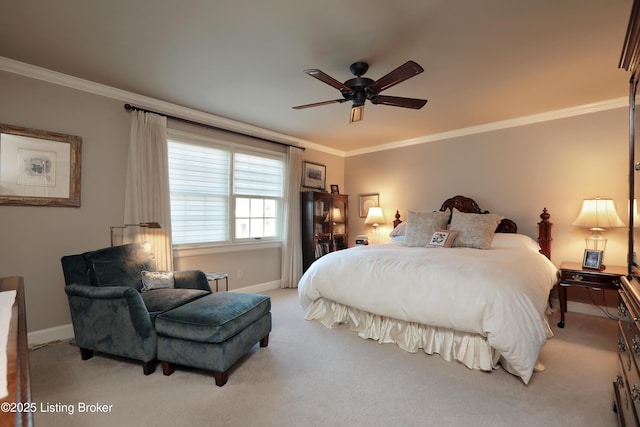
column 357, row 113
column 360, row 89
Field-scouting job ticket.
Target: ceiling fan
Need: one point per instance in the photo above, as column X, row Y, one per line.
column 359, row 89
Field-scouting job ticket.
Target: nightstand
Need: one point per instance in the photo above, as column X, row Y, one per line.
column 572, row 274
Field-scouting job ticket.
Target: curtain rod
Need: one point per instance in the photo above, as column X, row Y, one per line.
column 130, row 107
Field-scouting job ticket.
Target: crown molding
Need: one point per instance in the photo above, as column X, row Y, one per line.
column 44, row 74
column 504, row 124
column 39, row 73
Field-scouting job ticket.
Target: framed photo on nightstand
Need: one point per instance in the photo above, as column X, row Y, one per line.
column 592, row 259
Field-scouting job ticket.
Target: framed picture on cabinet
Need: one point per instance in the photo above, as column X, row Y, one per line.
column 367, row 201
column 335, row 189
column 314, row 175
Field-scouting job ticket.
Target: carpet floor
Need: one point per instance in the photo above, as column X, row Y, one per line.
column 312, row 376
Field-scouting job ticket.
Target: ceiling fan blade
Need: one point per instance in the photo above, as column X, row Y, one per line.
column 397, row 101
column 400, row 74
column 317, row 104
column 357, row 113
column 325, row 78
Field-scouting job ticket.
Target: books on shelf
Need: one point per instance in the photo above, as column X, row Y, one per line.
column 322, row 248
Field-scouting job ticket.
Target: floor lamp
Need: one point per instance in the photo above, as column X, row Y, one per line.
column 143, row 225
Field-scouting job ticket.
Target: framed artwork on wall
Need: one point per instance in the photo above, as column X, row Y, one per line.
column 39, row 168
column 367, row 201
column 314, row 175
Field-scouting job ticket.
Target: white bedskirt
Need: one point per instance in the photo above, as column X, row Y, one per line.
column 470, row 349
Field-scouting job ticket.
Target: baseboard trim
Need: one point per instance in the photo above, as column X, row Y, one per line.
column 65, row 332
column 57, row 333
column 261, row 287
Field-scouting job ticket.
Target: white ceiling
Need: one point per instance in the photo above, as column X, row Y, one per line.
column 484, row 60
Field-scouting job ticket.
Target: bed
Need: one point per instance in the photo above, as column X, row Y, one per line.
column 477, row 294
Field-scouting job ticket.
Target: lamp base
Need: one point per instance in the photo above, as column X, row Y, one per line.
column 374, row 236
column 596, row 241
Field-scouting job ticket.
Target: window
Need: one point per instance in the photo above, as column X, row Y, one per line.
column 224, row 194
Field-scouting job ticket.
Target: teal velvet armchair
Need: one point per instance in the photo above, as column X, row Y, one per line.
column 109, row 311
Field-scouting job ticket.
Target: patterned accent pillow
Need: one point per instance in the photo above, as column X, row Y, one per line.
column 421, row 226
column 157, row 280
column 475, row 230
column 442, row 238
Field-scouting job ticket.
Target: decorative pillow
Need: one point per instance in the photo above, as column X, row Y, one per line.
column 475, row 230
column 157, row 280
column 421, row 226
column 442, row 238
column 399, row 230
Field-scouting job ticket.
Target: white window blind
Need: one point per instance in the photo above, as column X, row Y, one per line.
column 257, row 175
column 199, row 186
column 222, row 196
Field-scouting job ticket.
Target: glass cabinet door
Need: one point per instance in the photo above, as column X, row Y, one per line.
column 338, row 218
column 321, row 218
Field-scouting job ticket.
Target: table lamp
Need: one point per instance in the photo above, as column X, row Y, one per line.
column 597, row 215
column 375, row 217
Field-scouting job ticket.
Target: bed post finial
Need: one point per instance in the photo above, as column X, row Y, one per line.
column 544, row 233
column 397, row 220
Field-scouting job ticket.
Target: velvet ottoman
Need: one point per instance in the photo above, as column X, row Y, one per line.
column 213, row 332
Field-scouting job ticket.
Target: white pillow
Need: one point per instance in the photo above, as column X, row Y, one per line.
column 157, row 280
column 513, row 240
column 399, row 230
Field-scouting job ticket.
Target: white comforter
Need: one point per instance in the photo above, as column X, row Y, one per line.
column 500, row 293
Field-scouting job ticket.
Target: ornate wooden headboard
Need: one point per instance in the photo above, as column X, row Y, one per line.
column 467, row 205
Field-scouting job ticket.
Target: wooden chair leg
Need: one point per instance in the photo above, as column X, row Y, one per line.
column 168, row 368
column 220, row 377
column 85, row 353
column 264, row 341
column 149, row 367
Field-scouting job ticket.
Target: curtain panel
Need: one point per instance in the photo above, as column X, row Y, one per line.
column 291, row 268
column 147, row 185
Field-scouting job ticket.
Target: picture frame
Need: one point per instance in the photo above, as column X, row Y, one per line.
column 367, row 201
column 39, row 168
column 314, row 176
column 335, row 189
column 592, row 259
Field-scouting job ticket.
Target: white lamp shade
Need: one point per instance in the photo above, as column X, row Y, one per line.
column 636, row 215
column 374, row 216
column 598, row 214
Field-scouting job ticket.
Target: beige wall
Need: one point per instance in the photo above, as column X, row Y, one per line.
column 514, row 172
column 33, row 239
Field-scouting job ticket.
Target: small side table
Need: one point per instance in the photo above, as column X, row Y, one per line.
column 572, row 274
column 219, row 276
